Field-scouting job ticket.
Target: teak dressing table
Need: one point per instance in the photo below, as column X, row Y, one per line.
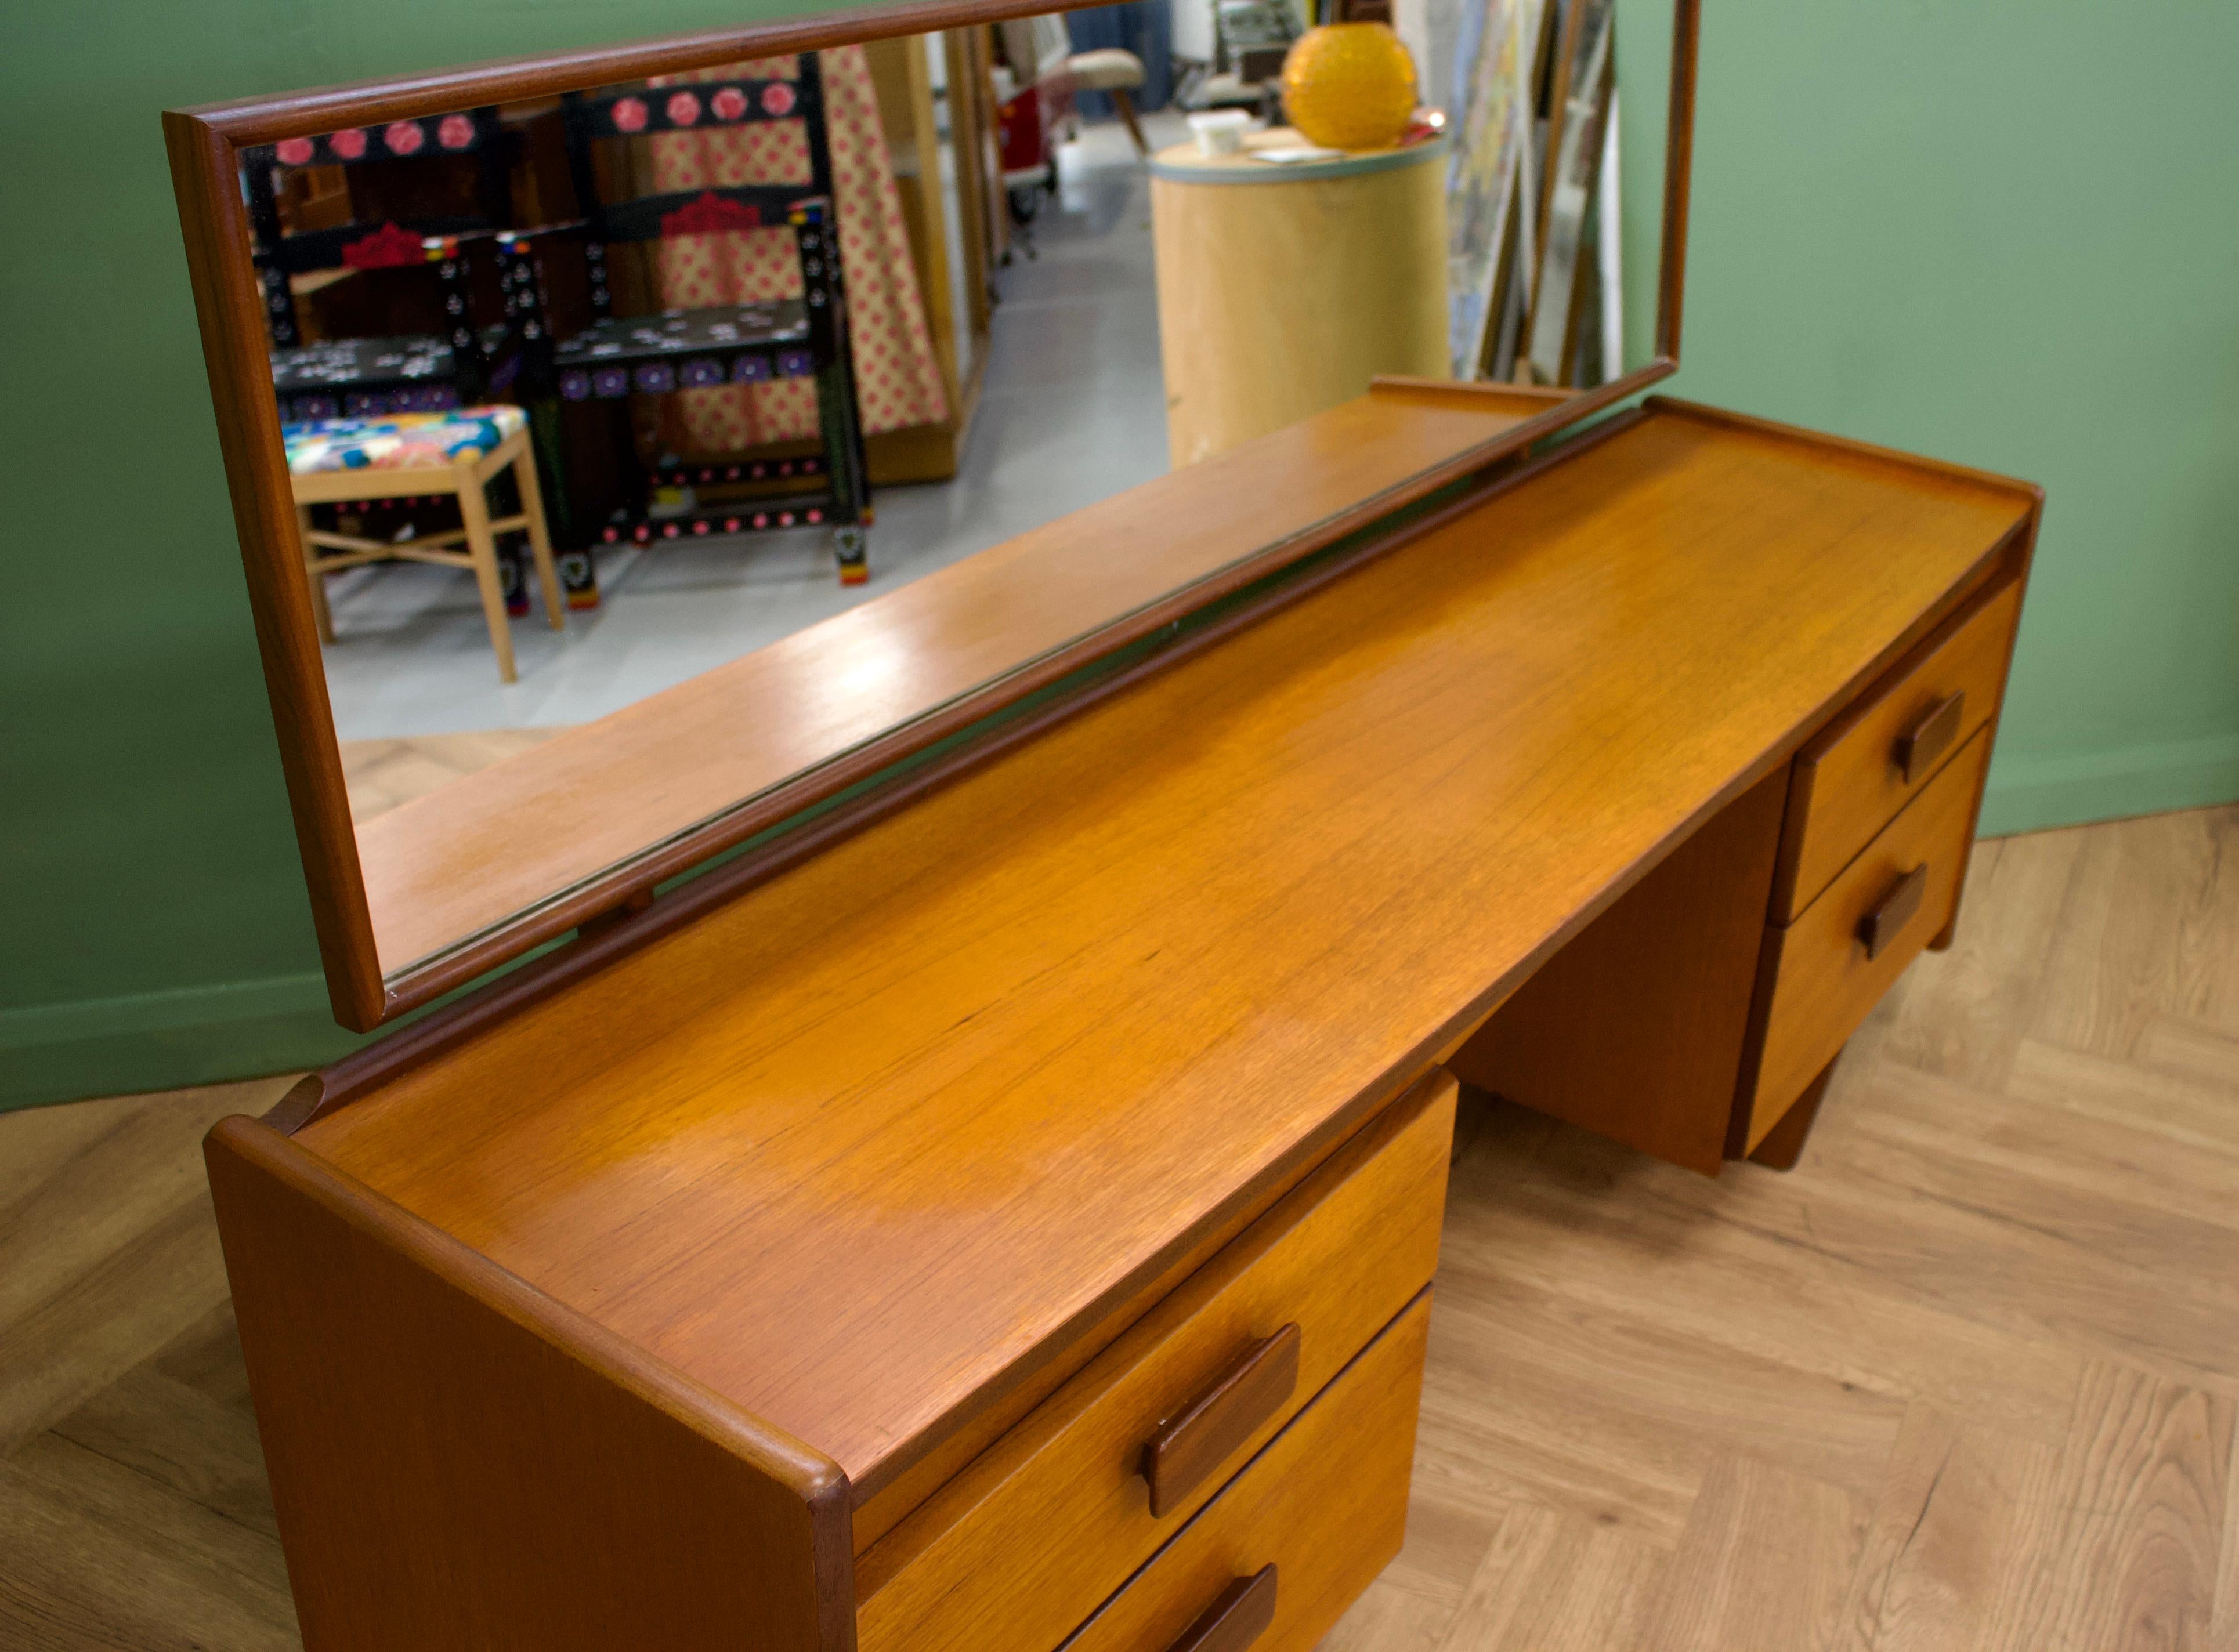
column 1002, row 1217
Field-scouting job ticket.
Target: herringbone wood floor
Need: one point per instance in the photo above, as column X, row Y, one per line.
column 1964, row 1380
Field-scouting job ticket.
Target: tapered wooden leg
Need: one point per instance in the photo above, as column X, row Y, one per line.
column 539, row 536
column 312, row 577
column 1784, row 1144
column 1126, row 105
column 482, row 546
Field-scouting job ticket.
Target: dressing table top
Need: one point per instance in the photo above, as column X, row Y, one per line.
column 953, row 1095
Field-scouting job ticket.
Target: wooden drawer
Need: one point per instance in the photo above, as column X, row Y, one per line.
column 1017, row 1546
column 1275, row 1559
column 1831, row 967
column 1854, row 776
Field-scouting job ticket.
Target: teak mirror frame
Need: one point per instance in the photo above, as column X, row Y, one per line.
column 204, row 146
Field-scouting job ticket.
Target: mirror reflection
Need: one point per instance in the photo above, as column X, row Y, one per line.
column 586, row 397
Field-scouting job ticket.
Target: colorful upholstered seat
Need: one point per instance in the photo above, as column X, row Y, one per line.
column 421, row 456
column 401, row 442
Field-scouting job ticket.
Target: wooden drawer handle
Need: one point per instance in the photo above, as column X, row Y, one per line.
column 1240, row 1616
column 1882, row 924
column 1192, row 1442
column 1919, row 746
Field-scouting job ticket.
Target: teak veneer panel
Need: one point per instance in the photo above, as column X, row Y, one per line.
column 1847, row 784
column 472, row 853
column 1821, row 981
column 869, row 1147
column 459, row 1462
column 1325, row 1505
column 1635, row 1030
column 1062, row 1497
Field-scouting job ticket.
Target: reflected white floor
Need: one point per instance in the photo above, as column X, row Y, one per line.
column 1073, row 410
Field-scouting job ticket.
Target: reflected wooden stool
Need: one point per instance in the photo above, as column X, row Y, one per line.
column 419, row 455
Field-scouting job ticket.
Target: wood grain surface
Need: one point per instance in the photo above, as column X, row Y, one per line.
column 229, row 311
column 2016, row 1206
column 383, row 773
column 1187, row 1447
column 1848, row 782
column 859, row 1149
column 1325, row 1505
column 1233, row 308
column 1024, row 1543
column 1238, row 1617
column 837, row 701
column 1823, row 976
column 1636, row 1029
column 385, row 955
column 427, row 1418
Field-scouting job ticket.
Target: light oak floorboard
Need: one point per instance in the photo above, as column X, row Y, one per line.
column 108, row 1250
column 1951, row 1524
column 1553, row 1582
column 382, row 773
column 1962, row 1382
column 1762, row 1566
column 2125, row 1556
column 2146, row 931
column 2223, row 1620
column 1969, row 1009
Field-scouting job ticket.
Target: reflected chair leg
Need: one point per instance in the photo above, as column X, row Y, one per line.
column 539, row 536
column 1126, row 105
column 482, row 547
column 312, row 577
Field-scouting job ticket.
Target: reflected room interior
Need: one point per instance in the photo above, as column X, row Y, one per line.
column 585, row 396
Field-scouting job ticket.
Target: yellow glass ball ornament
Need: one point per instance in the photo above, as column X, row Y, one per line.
column 1349, row 86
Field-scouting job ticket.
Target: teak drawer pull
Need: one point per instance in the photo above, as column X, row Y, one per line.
column 1240, row 1616
column 1919, row 746
column 1882, row 925
column 1192, row 1443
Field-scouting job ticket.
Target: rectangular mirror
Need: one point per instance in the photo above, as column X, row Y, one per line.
column 635, row 449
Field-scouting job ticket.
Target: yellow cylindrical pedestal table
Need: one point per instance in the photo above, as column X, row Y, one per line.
column 1284, row 286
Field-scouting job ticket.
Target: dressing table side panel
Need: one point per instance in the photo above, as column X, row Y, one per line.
column 1635, row 1029
column 458, row 1461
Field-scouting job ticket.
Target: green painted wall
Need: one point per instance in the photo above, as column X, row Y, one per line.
column 2004, row 232
column 1996, row 232
column 154, row 929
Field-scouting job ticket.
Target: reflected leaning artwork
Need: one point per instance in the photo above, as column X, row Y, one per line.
column 1585, row 80
column 1490, row 174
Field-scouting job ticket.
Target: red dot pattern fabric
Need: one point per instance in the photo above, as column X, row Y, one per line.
column 897, row 375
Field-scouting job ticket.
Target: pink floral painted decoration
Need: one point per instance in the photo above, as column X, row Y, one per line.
column 729, row 104
column 293, row 151
column 385, row 248
column 628, row 114
column 404, row 137
column 456, row 132
column 898, row 381
column 349, row 142
column 684, row 109
column 777, row 98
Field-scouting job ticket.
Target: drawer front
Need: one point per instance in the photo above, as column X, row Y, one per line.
column 1832, row 964
column 1275, row 1559
column 1852, row 779
column 1025, row 1541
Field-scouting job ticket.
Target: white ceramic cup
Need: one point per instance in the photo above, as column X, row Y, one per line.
column 1220, row 131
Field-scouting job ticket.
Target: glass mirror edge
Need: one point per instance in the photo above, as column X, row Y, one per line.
column 1645, row 72
column 1387, row 511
